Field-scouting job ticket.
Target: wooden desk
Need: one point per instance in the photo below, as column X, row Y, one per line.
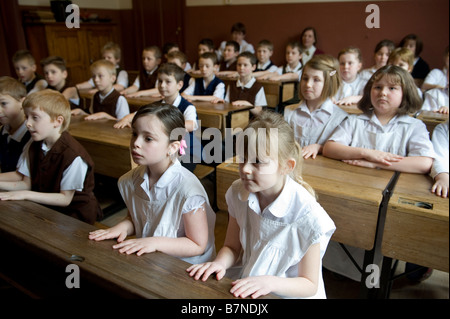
column 351, row 109
column 431, row 119
column 108, row 147
column 417, row 224
column 219, row 115
column 45, row 238
column 134, row 103
column 351, row 195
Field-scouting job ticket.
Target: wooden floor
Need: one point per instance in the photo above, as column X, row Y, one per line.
column 435, row 287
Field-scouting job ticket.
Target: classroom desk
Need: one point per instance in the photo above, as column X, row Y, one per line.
column 217, row 115
column 46, row 239
column 351, row 195
column 431, row 119
column 417, row 224
column 108, row 147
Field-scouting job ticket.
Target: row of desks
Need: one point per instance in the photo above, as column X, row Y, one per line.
column 40, row 243
column 372, row 207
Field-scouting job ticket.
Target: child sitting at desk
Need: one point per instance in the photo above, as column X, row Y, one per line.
column 350, row 62
column 227, row 67
column 292, row 71
column 13, row 133
column 277, row 232
column 246, row 91
column 55, row 72
column 145, row 83
column 439, row 171
column 404, row 58
column 168, row 208
column 205, row 45
column 264, row 52
column 112, row 53
column 316, row 117
column 437, row 100
column 437, row 78
column 25, row 67
column 381, row 56
column 107, row 103
column 170, row 81
column 171, row 47
column 179, row 58
column 207, row 87
column 54, row 169
column 385, row 136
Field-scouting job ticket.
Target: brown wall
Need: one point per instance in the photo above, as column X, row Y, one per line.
column 338, row 25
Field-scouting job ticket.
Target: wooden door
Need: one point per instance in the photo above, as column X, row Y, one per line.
column 97, row 37
column 158, row 22
column 71, row 44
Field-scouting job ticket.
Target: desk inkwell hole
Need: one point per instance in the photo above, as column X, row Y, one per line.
column 419, row 204
column 76, row 258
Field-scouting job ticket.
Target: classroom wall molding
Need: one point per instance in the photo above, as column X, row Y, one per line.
column 197, row 3
column 85, row 4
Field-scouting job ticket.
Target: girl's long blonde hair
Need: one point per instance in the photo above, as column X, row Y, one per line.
column 285, row 145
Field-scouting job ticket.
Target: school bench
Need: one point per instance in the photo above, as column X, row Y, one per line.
column 41, row 243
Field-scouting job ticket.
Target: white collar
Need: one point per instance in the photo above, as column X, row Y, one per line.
column 278, row 208
column 102, row 97
column 166, row 178
column 18, row 134
column 248, row 85
column 263, row 66
column 177, row 101
column 327, row 106
column 289, row 69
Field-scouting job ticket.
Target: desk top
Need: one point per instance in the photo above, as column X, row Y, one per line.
column 432, row 116
column 201, row 106
column 417, row 224
column 329, row 176
column 101, row 131
column 351, row 195
column 153, row 275
column 412, row 192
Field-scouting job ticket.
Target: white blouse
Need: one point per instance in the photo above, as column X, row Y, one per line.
column 275, row 240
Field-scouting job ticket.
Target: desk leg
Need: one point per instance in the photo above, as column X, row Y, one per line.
column 369, row 256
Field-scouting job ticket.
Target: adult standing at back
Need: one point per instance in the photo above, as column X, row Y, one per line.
column 308, row 39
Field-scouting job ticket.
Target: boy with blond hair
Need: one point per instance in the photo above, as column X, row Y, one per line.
column 54, row 170
column 404, row 58
column 13, row 133
column 107, row 103
column 112, row 53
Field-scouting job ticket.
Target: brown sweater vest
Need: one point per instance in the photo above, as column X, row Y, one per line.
column 237, row 93
column 47, row 172
column 108, row 105
column 147, row 81
column 231, row 67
